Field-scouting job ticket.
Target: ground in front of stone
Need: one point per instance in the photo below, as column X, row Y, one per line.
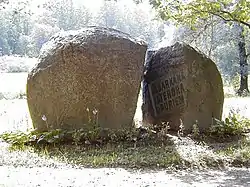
column 68, row 166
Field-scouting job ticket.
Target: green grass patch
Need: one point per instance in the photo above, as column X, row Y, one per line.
column 137, row 148
column 117, row 156
column 233, row 127
column 238, row 152
column 141, row 147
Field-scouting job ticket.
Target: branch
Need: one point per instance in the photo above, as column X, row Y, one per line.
column 235, row 19
column 228, row 20
column 222, row 17
column 201, row 31
column 212, row 38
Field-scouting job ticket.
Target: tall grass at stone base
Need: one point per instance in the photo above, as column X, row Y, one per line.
column 135, row 147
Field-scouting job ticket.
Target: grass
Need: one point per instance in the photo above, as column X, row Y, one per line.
column 114, row 155
column 142, row 148
column 237, row 152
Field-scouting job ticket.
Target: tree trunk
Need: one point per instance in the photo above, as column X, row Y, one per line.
column 243, row 64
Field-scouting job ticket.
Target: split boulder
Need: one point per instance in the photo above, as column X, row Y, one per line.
column 181, row 87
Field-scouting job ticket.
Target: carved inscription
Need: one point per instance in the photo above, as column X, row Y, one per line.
column 167, row 93
column 162, row 68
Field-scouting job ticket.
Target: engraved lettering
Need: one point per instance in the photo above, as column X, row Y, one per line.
column 172, row 92
column 158, row 99
column 168, row 92
column 166, row 106
column 163, row 86
column 182, row 88
column 170, row 104
column 177, row 89
column 171, row 81
column 164, row 96
column 179, row 77
column 167, row 84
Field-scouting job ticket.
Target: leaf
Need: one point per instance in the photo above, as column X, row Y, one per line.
column 191, row 12
column 41, row 139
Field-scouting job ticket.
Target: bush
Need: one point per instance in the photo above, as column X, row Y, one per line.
column 233, row 125
column 85, row 136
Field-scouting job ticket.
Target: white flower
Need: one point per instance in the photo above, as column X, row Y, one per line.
column 44, row 118
column 95, row 111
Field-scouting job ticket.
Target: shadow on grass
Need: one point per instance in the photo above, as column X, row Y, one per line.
column 223, row 178
column 236, row 149
column 136, row 149
column 123, row 154
column 140, row 149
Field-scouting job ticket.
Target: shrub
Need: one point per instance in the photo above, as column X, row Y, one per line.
column 233, row 125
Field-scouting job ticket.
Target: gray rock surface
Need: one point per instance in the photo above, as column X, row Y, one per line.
column 184, row 87
column 87, row 76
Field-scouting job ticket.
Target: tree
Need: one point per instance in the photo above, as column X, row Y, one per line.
column 192, row 12
column 243, row 61
column 195, row 12
column 15, row 26
column 219, row 41
column 25, row 25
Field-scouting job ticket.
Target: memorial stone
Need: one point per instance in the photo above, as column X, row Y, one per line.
column 184, row 87
column 86, row 77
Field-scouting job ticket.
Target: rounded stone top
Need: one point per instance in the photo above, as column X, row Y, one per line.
column 85, row 38
column 90, row 34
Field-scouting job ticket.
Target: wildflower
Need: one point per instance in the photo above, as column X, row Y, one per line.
column 44, row 118
column 95, row 111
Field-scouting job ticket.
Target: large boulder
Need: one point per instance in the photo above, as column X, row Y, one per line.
column 87, row 76
column 181, row 86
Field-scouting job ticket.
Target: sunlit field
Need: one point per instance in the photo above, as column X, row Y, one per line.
column 12, row 85
column 14, row 113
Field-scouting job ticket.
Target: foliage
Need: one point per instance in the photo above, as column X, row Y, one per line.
column 119, row 155
column 237, row 152
column 138, row 148
column 195, row 130
column 85, row 136
column 217, row 37
column 134, row 148
column 192, row 12
column 26, row 25
column 234, row 125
